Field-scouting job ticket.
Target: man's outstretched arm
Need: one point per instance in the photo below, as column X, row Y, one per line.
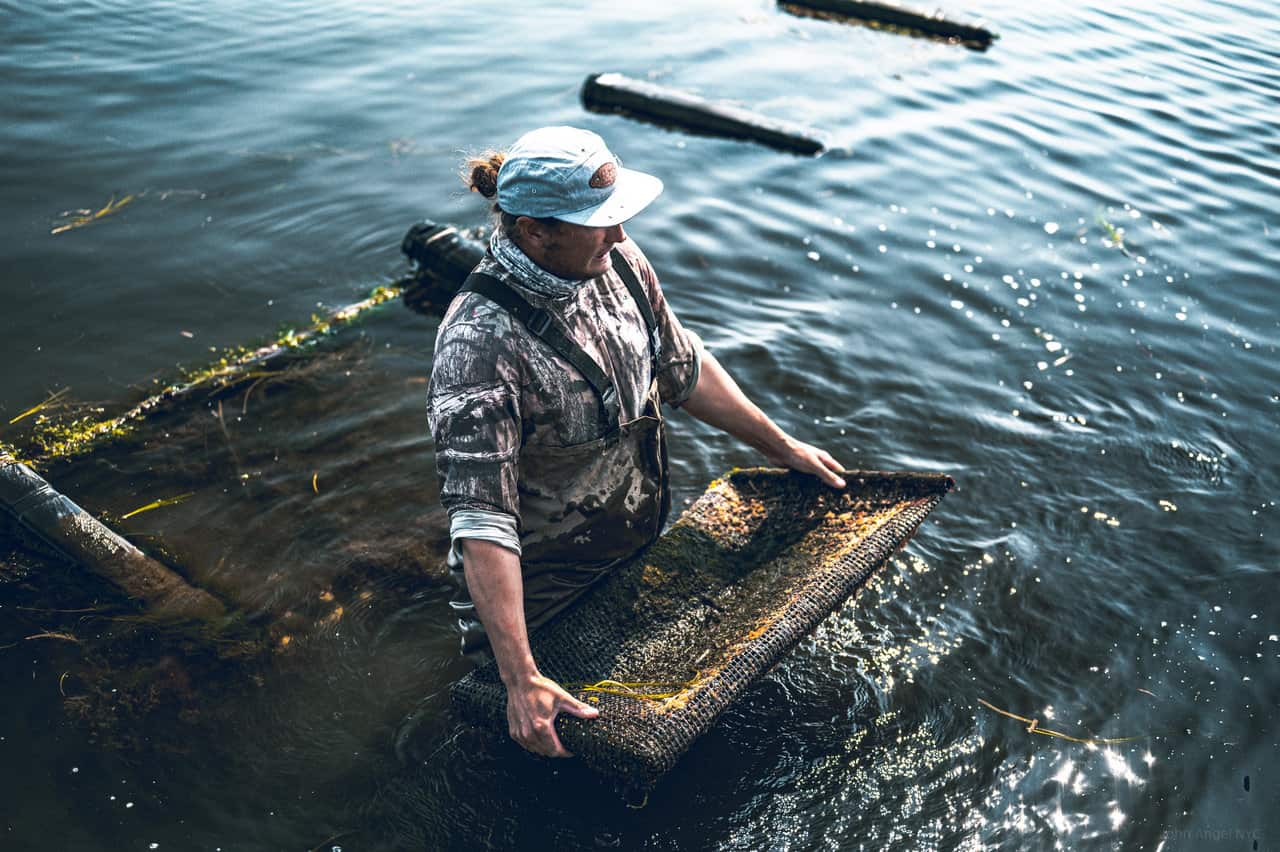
column 533, row 701
column 717, row 399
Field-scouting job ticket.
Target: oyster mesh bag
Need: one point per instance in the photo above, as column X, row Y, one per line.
column 667, row 642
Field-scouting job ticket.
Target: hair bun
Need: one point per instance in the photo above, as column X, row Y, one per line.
column 483, row 173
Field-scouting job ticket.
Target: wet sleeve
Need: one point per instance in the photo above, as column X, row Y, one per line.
column 473, row 407
column 681, row 357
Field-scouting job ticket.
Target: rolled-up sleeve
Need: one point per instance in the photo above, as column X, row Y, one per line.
column 473, row 408
column 480, row 525
column 681, row 358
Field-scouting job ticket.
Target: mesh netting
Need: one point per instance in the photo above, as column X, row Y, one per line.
column 666, row 643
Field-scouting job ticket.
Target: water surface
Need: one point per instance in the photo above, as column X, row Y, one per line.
column 947, row 289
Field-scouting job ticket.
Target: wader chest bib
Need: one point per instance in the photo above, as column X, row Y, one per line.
column 586, row 508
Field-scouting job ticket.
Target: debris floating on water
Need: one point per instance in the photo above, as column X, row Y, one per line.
column 613, row 92
column 54, row 634
column 893, row 18
column 72, row 219
column 53, row 397
column 1114, row 234
column 1033, row 727
column 233, row 368
column 157, row 504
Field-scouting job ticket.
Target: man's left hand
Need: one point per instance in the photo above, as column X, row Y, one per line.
column 807, row 458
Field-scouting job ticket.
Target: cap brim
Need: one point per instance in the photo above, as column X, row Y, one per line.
column 632, row 192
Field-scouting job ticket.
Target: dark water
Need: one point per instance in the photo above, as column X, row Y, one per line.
column 942, row 291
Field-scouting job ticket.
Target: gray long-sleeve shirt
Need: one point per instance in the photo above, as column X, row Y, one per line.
column 497, row 392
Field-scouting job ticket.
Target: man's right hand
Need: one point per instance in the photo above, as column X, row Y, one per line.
column 533, row 701
column 532, row 707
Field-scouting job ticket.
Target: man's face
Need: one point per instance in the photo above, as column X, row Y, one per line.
column 577, row 251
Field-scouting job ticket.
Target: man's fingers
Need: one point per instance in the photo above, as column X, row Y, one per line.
column 542, row 740
column 546, row 741
column 558, row 749
column 807, row 458
column 531, row 715
column 835, row 469
column 566, row 702
column 830, row 478
column 573, row 707
column 827, row 468
column 578, row 708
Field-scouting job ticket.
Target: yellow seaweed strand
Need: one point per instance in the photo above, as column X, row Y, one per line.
column 79, row 221
column 1033, row 727
column 647, row 690
column 54, row 634
column 156, row 504
column 40, row 406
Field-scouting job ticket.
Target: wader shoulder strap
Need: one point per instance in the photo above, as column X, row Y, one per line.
column 628, row 276
column 542, row 326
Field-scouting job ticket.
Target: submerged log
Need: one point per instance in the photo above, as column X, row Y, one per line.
column 230, row 371
column 444, row 256
column 73, row 532
column 894, row 16
column 667, row 107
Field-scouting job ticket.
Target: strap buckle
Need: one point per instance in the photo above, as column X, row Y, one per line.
column 539, row 321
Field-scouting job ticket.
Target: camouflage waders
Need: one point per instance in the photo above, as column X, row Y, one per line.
column 584, row 507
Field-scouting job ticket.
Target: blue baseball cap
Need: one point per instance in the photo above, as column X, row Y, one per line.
column 570, row 174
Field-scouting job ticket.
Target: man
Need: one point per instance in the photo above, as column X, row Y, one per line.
column 549, row 368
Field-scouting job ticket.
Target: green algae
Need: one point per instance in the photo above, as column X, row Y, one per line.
column 1114, row 234
column 60, row 437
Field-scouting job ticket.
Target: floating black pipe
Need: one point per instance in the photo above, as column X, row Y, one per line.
column 79, row 536
column 444, row 256
column 895, row 16
column 616, row 93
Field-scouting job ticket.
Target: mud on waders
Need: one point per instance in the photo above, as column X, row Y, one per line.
column 553, row 576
